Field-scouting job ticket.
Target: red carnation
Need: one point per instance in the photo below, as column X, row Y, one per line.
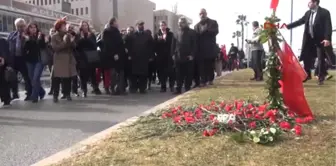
column 298, row 130
column 285, row 125
column 166, row 115
column 253, row 125
column 177, row 119
column 212, row 117
column 189, row 119
column 205, row 133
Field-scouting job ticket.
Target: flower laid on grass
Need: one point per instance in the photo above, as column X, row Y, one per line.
column 253, row 121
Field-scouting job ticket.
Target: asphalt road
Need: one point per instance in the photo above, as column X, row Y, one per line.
column 30, row 132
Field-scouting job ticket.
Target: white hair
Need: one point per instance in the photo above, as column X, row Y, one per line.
column 19, row 21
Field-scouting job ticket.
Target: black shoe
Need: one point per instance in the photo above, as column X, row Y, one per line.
column 133, row 91
column 163, row 90
column 320, row 82
column 42, row 96
column 252, row 79
column 63, row 97
column 202, row 85
column 68, row 98
column 15, row 96
column 50, row 93
column 97, row 92
column 143, row 91
column 172, row 89
column 107, row 91
column 211, row 83
column 35, row 101
column 178, row 92
column 195, row 86
column 329, row 77
column 27, row 98
column 55, row 99
column 6, row 104
column 187, row 89
column 307, row 79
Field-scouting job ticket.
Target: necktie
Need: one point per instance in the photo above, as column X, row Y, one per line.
column 311, row 24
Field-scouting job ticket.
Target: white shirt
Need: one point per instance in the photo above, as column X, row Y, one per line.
column 312, row 21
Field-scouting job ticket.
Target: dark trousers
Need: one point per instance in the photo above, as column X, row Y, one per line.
column 73, row 85
column 196, row 74
column 84, row 76
column 66, row 85
column 184, row 75
column 207, row 70
column 315, row 49
column 151, row 72
column 166, row 74
column 117, row 81
column 256, row 58
column 138, row 82
column 4, row 89
column 20, row 66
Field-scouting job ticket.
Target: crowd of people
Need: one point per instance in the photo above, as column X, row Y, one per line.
column 123, row 60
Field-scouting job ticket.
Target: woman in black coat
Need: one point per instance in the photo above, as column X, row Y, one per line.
column 86, row 42
column 4, row 85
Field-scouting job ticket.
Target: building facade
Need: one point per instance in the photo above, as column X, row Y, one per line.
column 45, row 18
column 169, row 17
column 100, row 11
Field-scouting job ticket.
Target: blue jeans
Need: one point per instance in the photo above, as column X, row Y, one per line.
column 34, row 72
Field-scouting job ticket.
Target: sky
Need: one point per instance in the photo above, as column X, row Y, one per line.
column 226, row 12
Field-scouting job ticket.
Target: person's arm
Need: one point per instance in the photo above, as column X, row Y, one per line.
column 299, row 22
column 151, row 48
column 58, row 44
column 256, row 39
column 41, row 42
column 193, row 43
column 327, row 26
column 212, row 29
column 173, row 46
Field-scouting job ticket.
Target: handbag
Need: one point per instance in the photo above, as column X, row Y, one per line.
column 10, row 75
column 45, row 56
column 92, row 56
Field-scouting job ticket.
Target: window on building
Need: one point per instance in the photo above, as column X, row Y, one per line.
column 86, row 10
column 54, row 1
column 49, row 2
column 115, row 8
column 58, row 1
column 76, row 11
column 29, row 2
column 41, row 2
column 34, row 2
column 72, row 11
column 81, row 11
column 37, row 2
column 1, row 23
column 46, row 2
column 5, row 23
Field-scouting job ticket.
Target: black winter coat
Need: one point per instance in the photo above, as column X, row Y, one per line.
column 140, row 47
column 113, row 44
column 207, row 31
column 86, row 43
column 184, row 45
column 163, row 49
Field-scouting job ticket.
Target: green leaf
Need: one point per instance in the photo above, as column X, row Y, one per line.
column 263, row 38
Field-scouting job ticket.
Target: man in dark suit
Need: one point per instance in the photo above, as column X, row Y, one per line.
column 4, row 85
column 207, row 30
column 316, row 37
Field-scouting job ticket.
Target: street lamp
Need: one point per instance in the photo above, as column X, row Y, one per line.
column 291, row 31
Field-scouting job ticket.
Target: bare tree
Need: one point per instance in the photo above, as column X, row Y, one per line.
column 237, row 35
column 241, row 20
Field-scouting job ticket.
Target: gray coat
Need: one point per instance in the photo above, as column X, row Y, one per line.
column 255, row 41
column 64, row 60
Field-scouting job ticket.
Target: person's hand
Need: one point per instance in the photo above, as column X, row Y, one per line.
column 2, row 61
column 72, row 38
column 190, row 58
column 82, row 34
column 325, row 43
column 116, row 57
column 65, row 38
column 173, row 57
column 129, row 58
column 9, row 68
column 126, row 50
column 150, row 59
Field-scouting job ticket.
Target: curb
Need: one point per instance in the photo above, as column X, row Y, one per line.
column 83, row 145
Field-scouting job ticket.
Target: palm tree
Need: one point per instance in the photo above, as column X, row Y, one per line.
column 241, row 20
column 237, row 35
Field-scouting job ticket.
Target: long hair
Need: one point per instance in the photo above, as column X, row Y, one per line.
column 29, row 26
column 81, row 25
